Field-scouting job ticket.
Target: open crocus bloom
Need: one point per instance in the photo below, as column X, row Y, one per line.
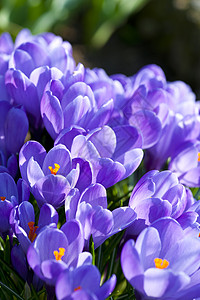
column 55, row 250
column 83, row 283
column 162, row 264
column 51, row 175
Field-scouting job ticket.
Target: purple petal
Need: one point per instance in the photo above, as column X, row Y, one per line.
column 95, row 195
column 74, row 234
column 67, row 136
column 16, row 118
column 149, row 125
column 132, row 266
column 110, row 172
column 48, row 215
column 52, row 114
column 51, row 189
column 30, row 149
column 85, row 177
column 102, row 116
column 163, row 283
column 131, row 161
column 147, row 250
column 76, row 112
column 104, row 140
column 127, row 138
column 151, row 209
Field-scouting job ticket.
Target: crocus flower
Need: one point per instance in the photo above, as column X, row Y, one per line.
column 161, row 264
column 11, row 119
column 83, row 283
column 71, row 102
column 157, row 194
column 113, row 153
column 90, row 208
column 50, row 175
column 32, row 63
column 22, row 221
column 12, row 194
column 8, row 199
column 55, row 250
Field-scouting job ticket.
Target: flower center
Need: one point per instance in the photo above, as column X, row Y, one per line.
column 55, row 170
column 161, row 263
column 32, row 235
column 59, row 255
column 198, row 156
column 77, row 289
column 3, row 198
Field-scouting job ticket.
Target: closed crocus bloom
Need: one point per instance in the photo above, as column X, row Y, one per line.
column 55, row 250
column 34, row 61
column 157, row 194
column 11, row 119
column 8, row 199
column 83, row 283
column 71, row 102
column 51, row 175
column 161, row 264
column 90, row 208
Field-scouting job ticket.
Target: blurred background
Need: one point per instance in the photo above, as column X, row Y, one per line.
column 120, row 36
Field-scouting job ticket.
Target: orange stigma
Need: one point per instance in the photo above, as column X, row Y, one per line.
column 3, row 198
column 161, row 263
column 198, row 156
column 77, row 289
column 60, row 254
column 32, row 235
column 55, row 170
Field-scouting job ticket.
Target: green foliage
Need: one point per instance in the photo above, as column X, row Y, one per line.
column 100, row 18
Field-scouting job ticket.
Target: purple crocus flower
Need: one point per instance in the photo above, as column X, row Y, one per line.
column 10, row 196
column 55, row 250
column 113, row 153
column 8, row 199
column 70, row 101
column 90, row 208
column 11, row 119
column 161, row 264
column 83, row 283
column 34, row 61
column 28, row 90
column 51, row 175
column 157, row 194
column 22, row 221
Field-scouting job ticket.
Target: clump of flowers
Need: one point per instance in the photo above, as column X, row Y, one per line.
column 99, row 178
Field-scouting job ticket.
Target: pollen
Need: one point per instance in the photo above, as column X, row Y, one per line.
column 60, row 254
column 3, row 198
column 161, row 263
column 198, row 156
column 32, row 233
column 55, row 170
column 77, row 289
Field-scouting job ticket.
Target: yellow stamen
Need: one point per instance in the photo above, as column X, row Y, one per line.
column 55, row 170
column 161, row 263
column 77, row 289
column 199, row 234
column 3, row 198
column 198, row 156
column 32, row 235
column 60, row 254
